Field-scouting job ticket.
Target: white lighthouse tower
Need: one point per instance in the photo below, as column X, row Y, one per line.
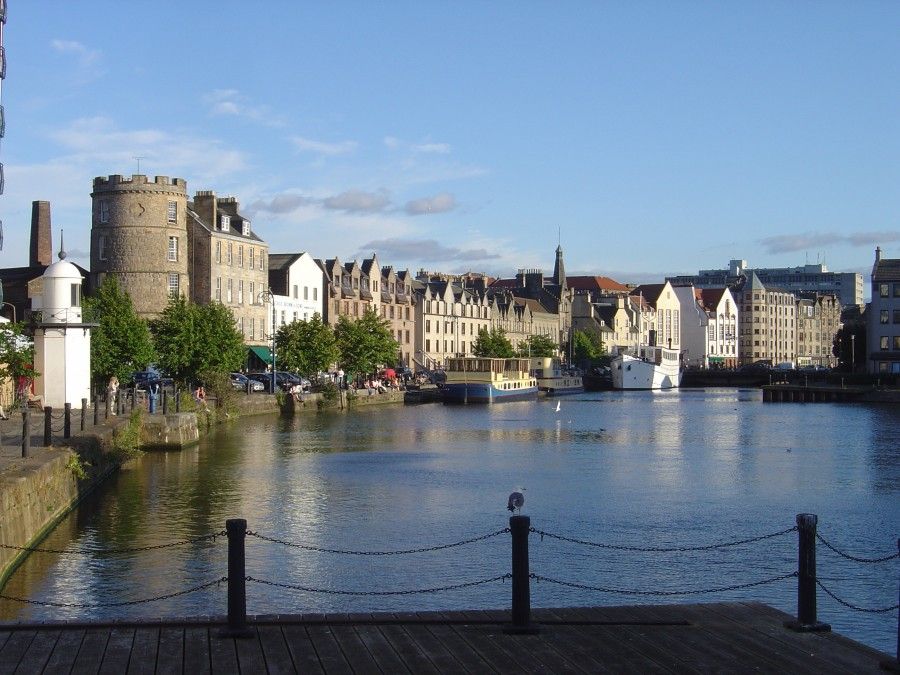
column 62, row 341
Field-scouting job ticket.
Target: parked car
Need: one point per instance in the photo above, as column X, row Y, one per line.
column 239, row 381
column 147, row 379
column 266, row 379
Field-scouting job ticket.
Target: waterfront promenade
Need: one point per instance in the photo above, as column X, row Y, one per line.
column 689, row 638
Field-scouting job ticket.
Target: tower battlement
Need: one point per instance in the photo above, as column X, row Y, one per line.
column 115, row 181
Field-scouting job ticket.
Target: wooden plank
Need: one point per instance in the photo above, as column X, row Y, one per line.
column 64, row 651
column 432, row 649
column 90, row 656
column 303, row 654
column 196, row 649
column 170, row 654
column 495, row 652
column 470, row 660
column 353, row 648
column 118, row 651
column 4, row 636
column 275, row 651
column 413, row 658
column 143, row 651
column 539, row 650
column 250, row 655
column 15, row 649
column 38, row 652
column 330, row 655
column 222, row 653
column 381, row 651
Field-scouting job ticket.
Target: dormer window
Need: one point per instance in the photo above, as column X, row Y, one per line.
column 225, row 223
column 245, row 228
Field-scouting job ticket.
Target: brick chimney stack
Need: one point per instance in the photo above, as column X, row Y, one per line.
column 41, row 237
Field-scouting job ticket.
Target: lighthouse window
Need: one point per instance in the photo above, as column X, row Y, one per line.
column 101, row 247
column 172, row 212
column 104, row 211
column 173, row 283
column 76, row 295
column 173, row 249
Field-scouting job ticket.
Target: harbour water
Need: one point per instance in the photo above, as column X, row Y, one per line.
column 675, row 469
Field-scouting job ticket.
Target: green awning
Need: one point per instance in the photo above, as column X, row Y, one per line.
column 264, row 353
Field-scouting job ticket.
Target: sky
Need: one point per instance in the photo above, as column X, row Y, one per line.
column 645, row 138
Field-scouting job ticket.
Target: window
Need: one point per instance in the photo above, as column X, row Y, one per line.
column 883, row 290
column 172, row 212
column 225, row 223
column 230, row 296
column 219, row 289
column 897, row 316
column 252, row 328
column 229, row 259
column 173, row 249
column 173, row 283
column 897, row 290
column 295, row 291
column 884, row 343
column 252, row 257
column 76, row 295
column 884, row 316
column 104, row 211
column 315, row 293
column 101, row 247
column 252, row 293
column 897, row 342
column 282, row 317
column 427, row 345
column 241, row 325
column 245, row 228
column 240, row 256
column 306, row 292
column 218, row 251
column 240, row 291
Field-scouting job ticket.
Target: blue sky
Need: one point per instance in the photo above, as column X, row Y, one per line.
column 649, row 138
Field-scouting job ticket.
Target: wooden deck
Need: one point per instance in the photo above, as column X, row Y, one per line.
column 723, row 637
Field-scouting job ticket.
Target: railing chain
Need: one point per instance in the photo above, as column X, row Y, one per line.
column 123, row 603
column 663, row 549
column 114, row 551
column 621, row 591
column 319, row 549
column 880, row 610
column 854, row 558
column 467, row 584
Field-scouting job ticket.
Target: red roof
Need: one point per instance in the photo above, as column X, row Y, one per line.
column 595, row 284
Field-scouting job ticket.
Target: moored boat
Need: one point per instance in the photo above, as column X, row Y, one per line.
column 484, row 380
column 653, row 368
column 554, row 379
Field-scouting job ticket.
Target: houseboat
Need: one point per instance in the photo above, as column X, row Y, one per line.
column 483, row 380
column 652, row 368
column 553, row 379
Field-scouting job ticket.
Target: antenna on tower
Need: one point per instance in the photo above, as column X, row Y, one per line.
column 62, row 247
column 138, row 159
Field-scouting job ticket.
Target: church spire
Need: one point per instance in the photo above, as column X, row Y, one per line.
column 559, row 268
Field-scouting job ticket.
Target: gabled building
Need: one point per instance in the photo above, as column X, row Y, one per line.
column 519, row 318
column 818, row 322
column 398, row 308
column 884, row 316
column 709, row 320
column 448, row 319
column 661, row 325
column 296, row 281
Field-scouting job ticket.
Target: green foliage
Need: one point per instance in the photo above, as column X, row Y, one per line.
column 193, row 339
column 126, row 441
column 306, row 347
column 538, row 345
column 330, row 393
column 121, row 344
column 493, row 344
column 16, row 352
column 365, row 345
column 77, row 466
column 587, row 346
column 218, row 385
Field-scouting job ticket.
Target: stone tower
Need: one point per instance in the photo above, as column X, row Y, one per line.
column 41, row 252
column 139, row 233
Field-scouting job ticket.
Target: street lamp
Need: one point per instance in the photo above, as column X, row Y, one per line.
column 9, row 304
column 265, row 297
column 852, row 353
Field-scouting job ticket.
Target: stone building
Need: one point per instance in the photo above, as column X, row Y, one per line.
column 139, row 233
column 818, row 322
column 884, row 317
column 520, row 318
column 398, row 309
column 448, row 318
column 229, row 263
column 767, row 328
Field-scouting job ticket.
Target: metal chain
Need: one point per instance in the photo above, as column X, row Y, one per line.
column 123, row 603
column 855, row 558
column 452, row 587
column 134, row 549
column 881, row 610
column 663, row 549
column 620, row 591
column 349, row 552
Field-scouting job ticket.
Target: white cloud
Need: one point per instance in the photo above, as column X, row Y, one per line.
column 321, row 147
column 87, row 61
column 440, row 203
column 357, row 201
column 230, row 103
column 426, row 147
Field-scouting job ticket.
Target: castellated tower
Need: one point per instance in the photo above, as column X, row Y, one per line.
column 139, row 234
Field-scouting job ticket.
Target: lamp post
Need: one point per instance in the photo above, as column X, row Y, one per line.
column 268, row 296
column 852, row 353
column 11, row 306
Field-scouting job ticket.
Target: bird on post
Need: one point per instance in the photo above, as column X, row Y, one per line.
column 516, row 501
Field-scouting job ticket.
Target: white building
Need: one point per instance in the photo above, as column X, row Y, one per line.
column 709, row 319
column 297, row 283
column 62, row 342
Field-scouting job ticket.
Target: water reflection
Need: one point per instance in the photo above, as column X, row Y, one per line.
column 669, row 469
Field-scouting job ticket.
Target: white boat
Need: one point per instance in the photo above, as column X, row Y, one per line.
column 553, row 379
column 486, row 380
column 653, row 368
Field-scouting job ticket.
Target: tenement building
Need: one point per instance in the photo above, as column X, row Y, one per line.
column 818, row 321
column 228, row 263
column 884, row 316
column 767, row 322
column 448, row 319
column 139, row 234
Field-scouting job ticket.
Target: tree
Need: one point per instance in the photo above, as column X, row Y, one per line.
column 306, row 347
column 121, row 343
column 365, row 344
column 16, row 353
column 193, row 339
column 587, row 346
column 538, row 346
column 493, row 344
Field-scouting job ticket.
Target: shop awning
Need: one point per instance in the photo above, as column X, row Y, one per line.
column 263, row 353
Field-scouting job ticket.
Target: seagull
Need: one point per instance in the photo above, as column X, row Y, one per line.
column 557, row 406
column 516, row 501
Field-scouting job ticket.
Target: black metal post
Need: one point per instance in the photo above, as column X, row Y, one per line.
column 519, row 526
column 122, row 400
column 806, row 576
column 165, row 396
column 247, row 386
column 48, row 413
column 67, row 420
column 26, row 432
column 96, row 409
column 237, row 585
column 84, row 405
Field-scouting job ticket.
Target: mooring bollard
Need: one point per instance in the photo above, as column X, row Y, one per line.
column 806, row 576
column 237, row 584
column 96, row 409
column 519, row 527
column 48, row 417
column 83, row 412
column 26, row 432
column 67, row 420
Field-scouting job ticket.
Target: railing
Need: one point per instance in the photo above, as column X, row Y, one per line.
column 520, row 575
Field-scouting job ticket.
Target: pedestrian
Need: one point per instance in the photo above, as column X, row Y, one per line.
column 200, row 398
column 112, row 391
